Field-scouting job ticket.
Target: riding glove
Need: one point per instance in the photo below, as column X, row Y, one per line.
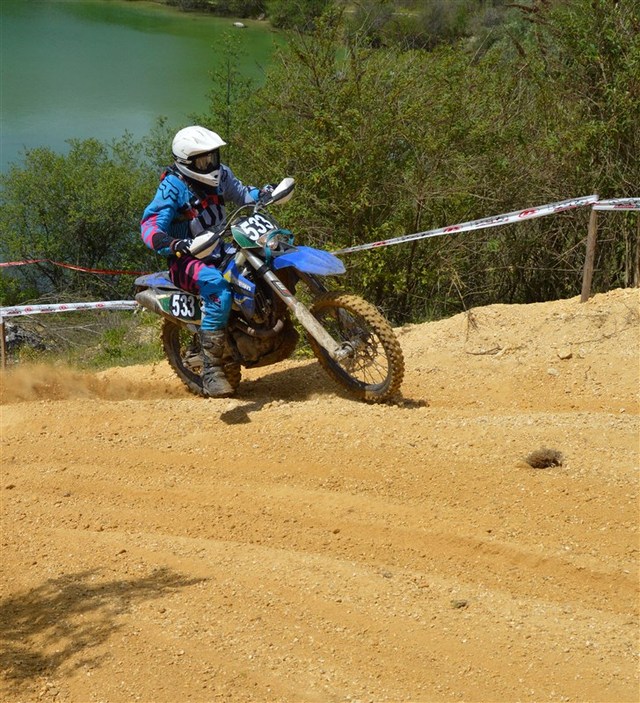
column 180, row 246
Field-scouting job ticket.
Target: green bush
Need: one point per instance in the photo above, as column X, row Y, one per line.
column 82, row 208
column 296, row 14
column 385, row 142
column 93, row 340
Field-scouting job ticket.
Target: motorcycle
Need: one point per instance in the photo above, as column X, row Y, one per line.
column 268, row 275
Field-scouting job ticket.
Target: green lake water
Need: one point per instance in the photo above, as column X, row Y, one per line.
column 98, row 68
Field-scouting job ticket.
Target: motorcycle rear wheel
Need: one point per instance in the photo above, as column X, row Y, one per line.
column 374, row 370
column 182, row 349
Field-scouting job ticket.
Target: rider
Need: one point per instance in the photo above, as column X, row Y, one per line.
column 190, row 199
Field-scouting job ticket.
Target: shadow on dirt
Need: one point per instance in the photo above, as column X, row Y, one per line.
column 53, row 628
column 293, row 385
column 290, row 384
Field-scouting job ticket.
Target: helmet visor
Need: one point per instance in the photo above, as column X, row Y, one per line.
column 206, row 163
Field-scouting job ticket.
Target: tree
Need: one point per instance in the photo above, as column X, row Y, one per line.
column 83, row 209
column 296, row 14
column 583, row 58
column 386, row 142
column 229, row 92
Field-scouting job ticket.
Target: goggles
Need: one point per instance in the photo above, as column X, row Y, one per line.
column 205, row 163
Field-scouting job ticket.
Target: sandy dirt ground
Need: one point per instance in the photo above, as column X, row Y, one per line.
column 293, row 545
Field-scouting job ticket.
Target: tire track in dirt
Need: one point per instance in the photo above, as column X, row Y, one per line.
column 293, row 545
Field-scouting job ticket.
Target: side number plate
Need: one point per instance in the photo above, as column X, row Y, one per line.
column 184, row 306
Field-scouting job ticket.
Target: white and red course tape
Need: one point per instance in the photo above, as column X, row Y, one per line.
column 494, row 221
column 619, row 204
column 17, row 310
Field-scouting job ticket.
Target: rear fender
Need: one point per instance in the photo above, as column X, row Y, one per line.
column 159, row 279
column 173, row 304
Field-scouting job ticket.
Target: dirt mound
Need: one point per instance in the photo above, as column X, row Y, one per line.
column 291, row 544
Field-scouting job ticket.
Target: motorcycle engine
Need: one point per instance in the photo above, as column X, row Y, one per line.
column 262, row 351
column 252, row 349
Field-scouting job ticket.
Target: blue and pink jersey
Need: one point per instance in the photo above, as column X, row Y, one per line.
column 179, row 212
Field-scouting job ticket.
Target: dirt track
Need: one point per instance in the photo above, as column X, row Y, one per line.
column 292, row 545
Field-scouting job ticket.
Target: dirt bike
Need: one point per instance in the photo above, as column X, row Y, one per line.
column 351, row 339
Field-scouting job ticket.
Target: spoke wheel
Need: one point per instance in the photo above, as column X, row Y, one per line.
column 374, row 367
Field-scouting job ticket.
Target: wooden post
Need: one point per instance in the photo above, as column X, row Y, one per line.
column 589, row 259
column 636, row 273
column 3, row 348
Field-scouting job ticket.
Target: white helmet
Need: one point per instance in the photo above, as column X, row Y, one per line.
column 197, row 154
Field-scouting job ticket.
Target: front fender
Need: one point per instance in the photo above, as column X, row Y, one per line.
column 310, row 260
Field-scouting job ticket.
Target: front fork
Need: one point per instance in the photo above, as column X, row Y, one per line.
column 337, row 351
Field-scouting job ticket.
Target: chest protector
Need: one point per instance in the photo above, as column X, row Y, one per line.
column 205, row 208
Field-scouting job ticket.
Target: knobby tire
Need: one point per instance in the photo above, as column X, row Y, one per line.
column 375, row 371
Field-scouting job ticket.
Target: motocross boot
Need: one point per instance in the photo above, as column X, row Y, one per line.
column 214, row 381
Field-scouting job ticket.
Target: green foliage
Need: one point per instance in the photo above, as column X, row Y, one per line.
column 94, row 340
column 156, row 150
column 82, row 209
column 118, row 346
column 188, row 5
column 13, row 290
column 296, row 14
column 385, row 142
column 585, row 66
column 231, row 8
column 535, row 103
column 423, row 24
column 230, row 89
column 591, row 48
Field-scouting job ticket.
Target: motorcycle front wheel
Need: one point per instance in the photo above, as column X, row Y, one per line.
column 374, row 367
column 182, row 349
